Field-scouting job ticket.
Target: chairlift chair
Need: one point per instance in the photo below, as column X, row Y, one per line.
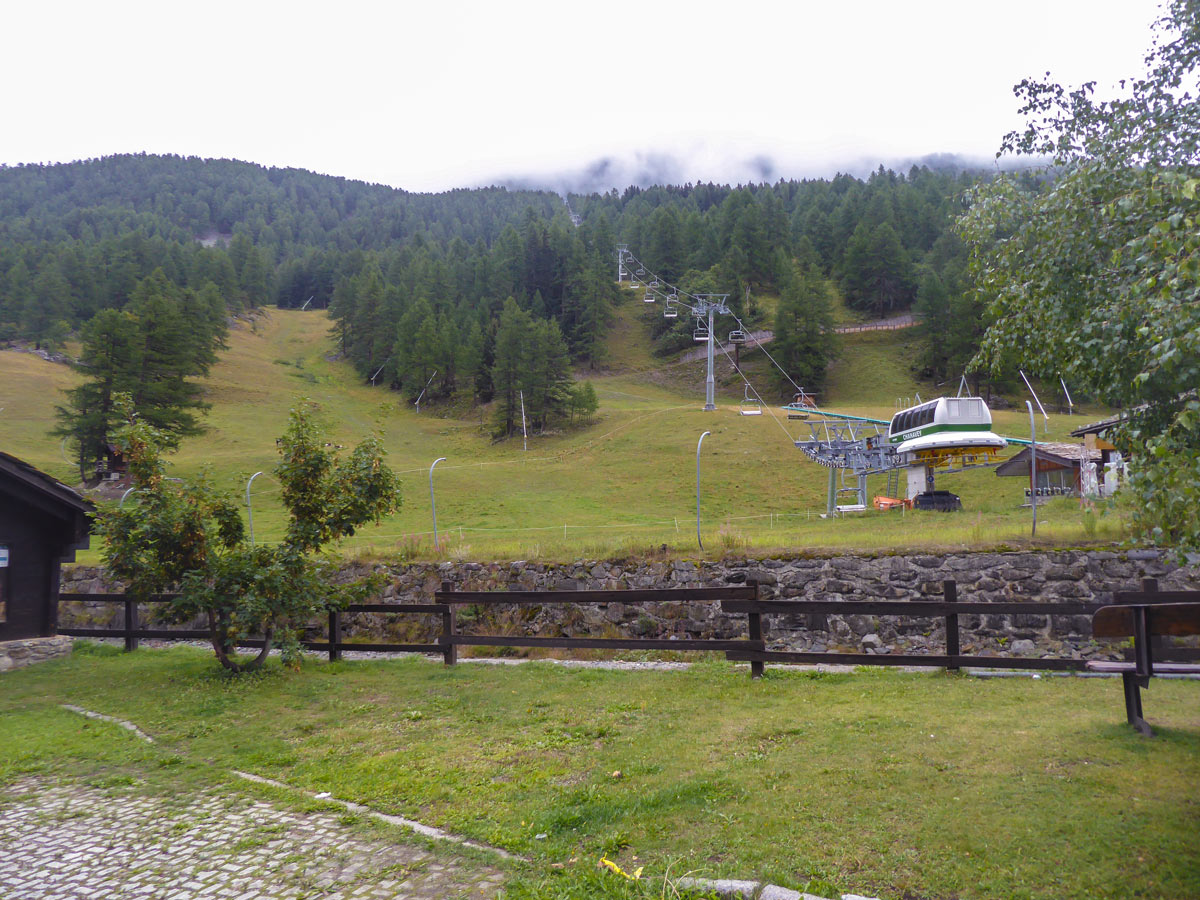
column 649, row 298
column 670, row 311
column 700, row 335
column 737, row 336
column 641, row 271
column 751, row 406
column 654, row 283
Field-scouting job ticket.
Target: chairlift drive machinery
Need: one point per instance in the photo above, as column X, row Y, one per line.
column 948, row 426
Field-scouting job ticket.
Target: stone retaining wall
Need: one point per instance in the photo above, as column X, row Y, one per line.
column 17, row 654
column 1068, row 575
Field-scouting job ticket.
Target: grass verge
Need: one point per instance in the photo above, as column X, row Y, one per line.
column 885, row 783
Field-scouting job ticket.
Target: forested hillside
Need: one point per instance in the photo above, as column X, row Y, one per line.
column 466, row 296
column 885, row 244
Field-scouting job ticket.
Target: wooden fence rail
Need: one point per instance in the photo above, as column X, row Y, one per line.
column 732, row 599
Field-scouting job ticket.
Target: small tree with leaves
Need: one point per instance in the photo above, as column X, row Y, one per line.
column 1095, row 275
column 188, row 537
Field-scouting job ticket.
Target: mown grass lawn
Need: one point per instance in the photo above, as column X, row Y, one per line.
column 880, row 783
column 616, row 487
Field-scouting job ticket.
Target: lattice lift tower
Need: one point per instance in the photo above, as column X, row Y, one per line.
column 702, row 306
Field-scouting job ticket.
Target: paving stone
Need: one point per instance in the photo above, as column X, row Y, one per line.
column 71, row 841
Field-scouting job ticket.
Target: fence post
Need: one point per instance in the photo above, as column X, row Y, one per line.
column 1159, row 642
column 950, row 595
column 449, row 649
column 756, row 634
column 335, row 635
column 131, row 624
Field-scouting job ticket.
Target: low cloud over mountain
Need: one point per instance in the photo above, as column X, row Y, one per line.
column 647, row 168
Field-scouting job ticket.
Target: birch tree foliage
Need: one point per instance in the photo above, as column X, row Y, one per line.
column 1091, row 264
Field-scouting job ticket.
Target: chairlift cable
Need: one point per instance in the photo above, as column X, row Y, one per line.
column 751, row 387
column 681, row 293
column 760, row 346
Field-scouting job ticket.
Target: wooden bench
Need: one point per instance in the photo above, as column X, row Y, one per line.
column 1144, row 616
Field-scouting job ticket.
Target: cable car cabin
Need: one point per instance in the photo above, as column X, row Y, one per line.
column 946, row 427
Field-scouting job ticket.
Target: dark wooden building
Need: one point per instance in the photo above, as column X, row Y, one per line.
column 1059, row 467
column 42, row 523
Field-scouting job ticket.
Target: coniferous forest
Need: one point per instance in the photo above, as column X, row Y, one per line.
column 469, row 295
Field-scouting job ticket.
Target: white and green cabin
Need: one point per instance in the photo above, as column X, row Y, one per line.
column 945, row 425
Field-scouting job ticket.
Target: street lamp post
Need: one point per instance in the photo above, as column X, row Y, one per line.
column 1032, row 467
column 698, row 443
column 432, row 502
column 249, row 508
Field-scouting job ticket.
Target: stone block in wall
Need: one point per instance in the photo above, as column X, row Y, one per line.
column 837, row 586
column 1068, row 589
column 1012, row 573
column 1118, row 569
column 762, row 576
column 30, row 651
column 988, row 584
column 1063, row 626
column 1072, row 572
column 861, row 625
column 1033, row 562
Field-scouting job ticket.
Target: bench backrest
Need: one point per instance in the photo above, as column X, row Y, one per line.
column 1177, row 619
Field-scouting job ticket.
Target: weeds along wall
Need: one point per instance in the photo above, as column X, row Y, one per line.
column 1067, row 575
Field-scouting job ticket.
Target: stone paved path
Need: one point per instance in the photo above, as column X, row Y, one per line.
column 79, row 842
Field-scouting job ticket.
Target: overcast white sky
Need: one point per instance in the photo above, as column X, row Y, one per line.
column 434, row 95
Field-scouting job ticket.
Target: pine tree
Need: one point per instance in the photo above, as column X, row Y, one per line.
column 876, row 271
column 109, row 361
column 804, row 338
column 583, row 401
column 152, row 351
column 547, row 374
column 511, row 357
column 933, row 312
